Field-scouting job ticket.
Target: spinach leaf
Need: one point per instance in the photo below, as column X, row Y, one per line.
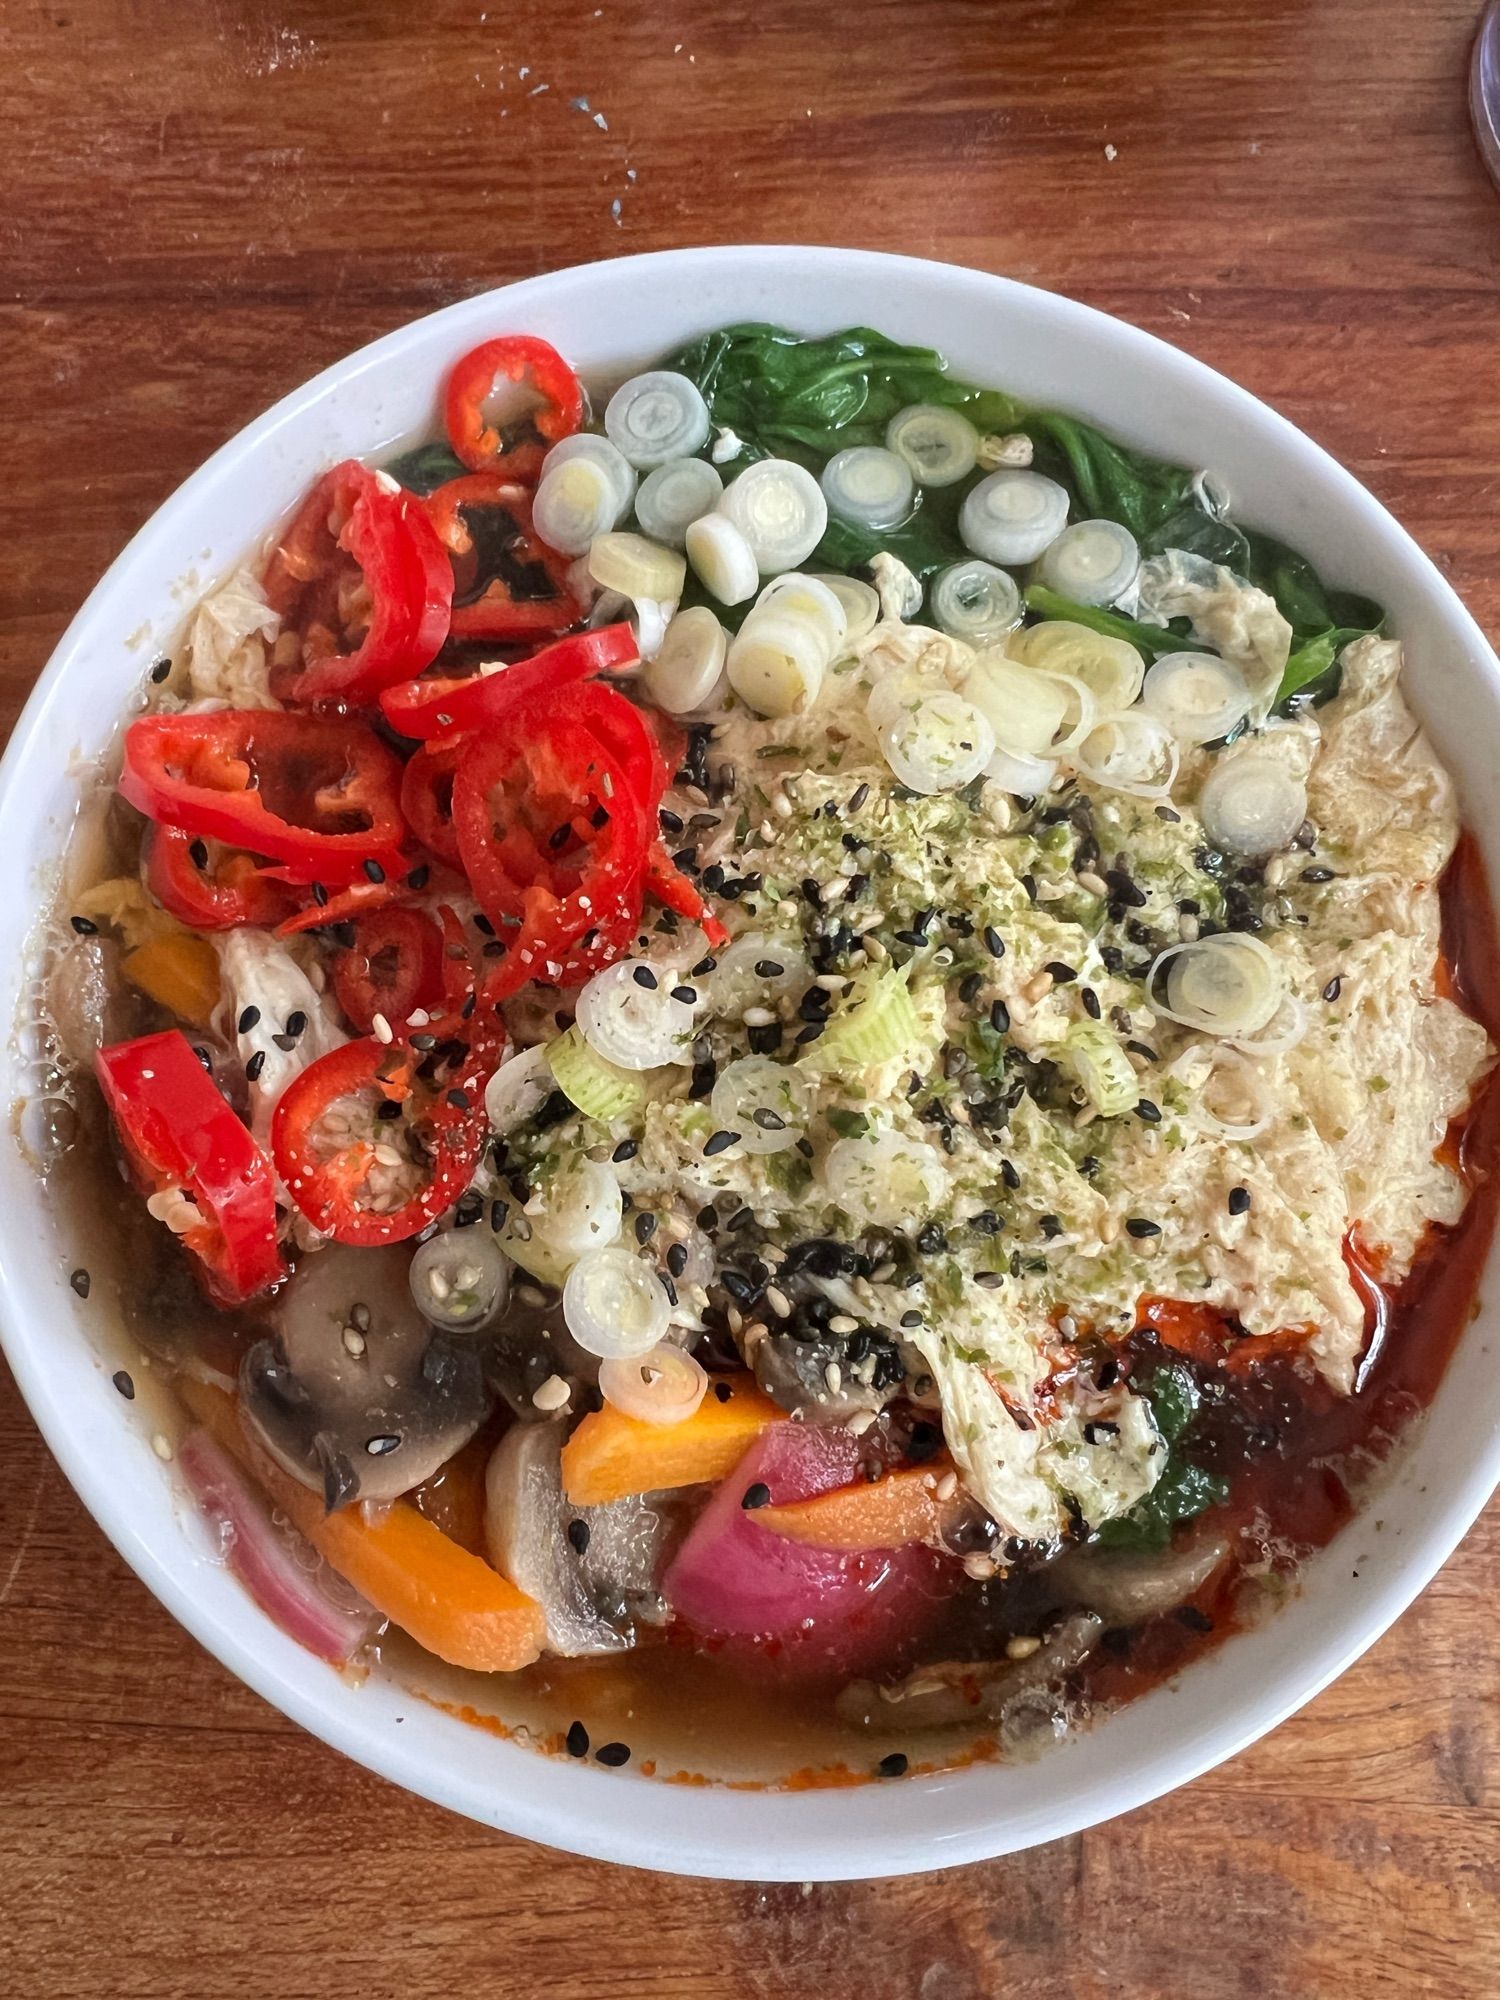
column 1184, row 1489
column 1311, row 673
column 1110, row 481
column 426, row 468
column 1151, row 640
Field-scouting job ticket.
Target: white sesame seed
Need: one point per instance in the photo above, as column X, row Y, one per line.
column 162, row 1447
column 418, row 1018
column 1022, row 1647
column 380, row 1028
column 778, row 1301
column 833, row 1375
column 554, row 1394
column 758, row 1017
column 947, row 1486
column 843, row 1323
column 860, row 1422
column 1187, row 929
column 354, row 1341
column 1095, row 885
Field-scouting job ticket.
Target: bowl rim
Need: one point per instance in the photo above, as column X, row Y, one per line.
column 570, row 1808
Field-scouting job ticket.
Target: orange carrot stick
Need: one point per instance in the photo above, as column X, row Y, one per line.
column 889, row 1514
column 611, row 1455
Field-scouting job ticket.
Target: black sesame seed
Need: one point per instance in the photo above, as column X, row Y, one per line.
column 612, row 1754
column 419, row 877
column 812, row 892
column 993, row 1280
column 1050, row 1226
column 758, row 1495
column 644, row 976
column 767, row 1119
column 688, row 995
column 765, row 1039
column 857, row 887
column 626, row 1150
column 741, row 1219
column 386, row 1442
column 723, row 1391
column 374, row 871
column 1148, row 1112
column 811, row 1032
column 1166, row 813
column 677, row 1258
column 1028, row 883
column 1089, row 1166
column 970, row 987
column 85, row 926
column 578, row 1536
column 1317, row 875
column 1138, row 1225
column 645, row 1226
column 296, row 1023
column 893, row 1766
column 1098, row 1433
column 387, row 1109
column 1109, row 1373
column 1239, row 1201
column 911, row 1319
column 286, row 1043
column 769, row 968
column 160, row 671
column 1010, row 1173
column 1091, row 1005
column 858, row 797
column 703, row 968
column 1333, row 989
column 124, row 1384
column 80, row 1281
column 578, row 1740
column 255, row 1065
column 424, row 1042
column 931, row 1239
column 670, row 820
column 994, row 944
column 1000, row 1018
column 1063, row 975
column 719, row 1142
column 459, row 1099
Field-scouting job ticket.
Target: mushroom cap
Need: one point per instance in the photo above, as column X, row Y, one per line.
column 355, row 1394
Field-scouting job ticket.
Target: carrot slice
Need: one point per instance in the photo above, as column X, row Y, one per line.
column 890, row 1514
column 451, row 1602
column 611, row 1455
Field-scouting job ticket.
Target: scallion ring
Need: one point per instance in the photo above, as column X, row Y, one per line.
column 1197, row 695
column 655, row 417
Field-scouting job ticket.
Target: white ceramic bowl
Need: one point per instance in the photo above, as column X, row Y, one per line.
column 607, row 317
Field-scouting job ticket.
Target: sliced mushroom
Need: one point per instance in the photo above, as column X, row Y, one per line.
column 355, row 1394
column 81, row 998
column 957, row 1692
column 1126, row 1587
column 593, row 1570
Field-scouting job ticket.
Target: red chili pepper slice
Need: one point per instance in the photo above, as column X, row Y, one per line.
column 428, row 708
column 551, row 832
column 427, row 797
column 519, row 449
column 666, row 882
column 179, row 1133
column 395, row 964
column 320, row 794
column 330, row 1168
column 208, row 890
column 506, row 583
column 363, row 581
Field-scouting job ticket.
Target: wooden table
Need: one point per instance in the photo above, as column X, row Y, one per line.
column 201, row 206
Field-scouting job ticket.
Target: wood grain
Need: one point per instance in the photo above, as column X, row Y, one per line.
column 202, row 206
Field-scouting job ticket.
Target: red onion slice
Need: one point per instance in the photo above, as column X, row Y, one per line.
column 276, row 1565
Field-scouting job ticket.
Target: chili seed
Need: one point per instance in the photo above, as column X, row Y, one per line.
column 758, row 1495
